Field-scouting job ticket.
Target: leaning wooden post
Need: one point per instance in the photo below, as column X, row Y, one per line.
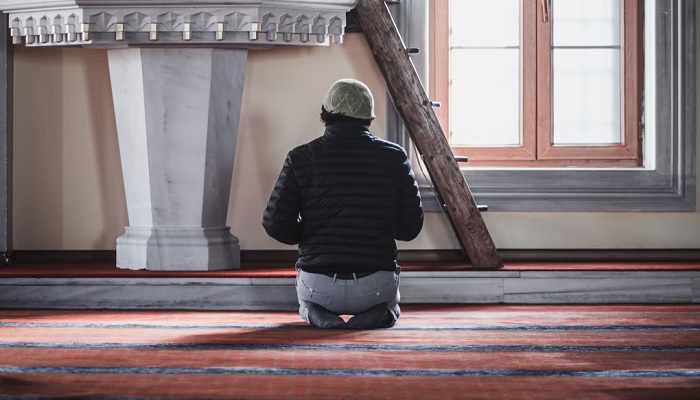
column 414, row 106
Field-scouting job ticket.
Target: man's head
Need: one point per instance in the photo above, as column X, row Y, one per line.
column 348, row 99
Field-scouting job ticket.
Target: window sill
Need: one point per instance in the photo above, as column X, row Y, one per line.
column 578, row 189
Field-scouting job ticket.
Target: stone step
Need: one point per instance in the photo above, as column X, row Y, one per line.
column 275, row 290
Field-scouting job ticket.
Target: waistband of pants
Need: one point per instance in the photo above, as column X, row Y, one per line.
column 348, row 275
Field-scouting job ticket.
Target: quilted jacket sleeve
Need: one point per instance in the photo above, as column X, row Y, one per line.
column 281, row 218
column 410, row 216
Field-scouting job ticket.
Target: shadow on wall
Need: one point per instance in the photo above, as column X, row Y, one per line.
column 103, row 130
column 68, row 192
column 38, row 182
column 256, row 141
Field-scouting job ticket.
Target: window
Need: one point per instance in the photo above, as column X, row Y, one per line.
column 667, row 179
column 540, row 82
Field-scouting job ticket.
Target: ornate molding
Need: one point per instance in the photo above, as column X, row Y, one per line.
column 120, row 23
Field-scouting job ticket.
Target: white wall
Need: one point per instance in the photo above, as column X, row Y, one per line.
column 68, row 192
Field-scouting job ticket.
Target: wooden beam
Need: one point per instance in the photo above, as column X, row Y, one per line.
column 414, row 106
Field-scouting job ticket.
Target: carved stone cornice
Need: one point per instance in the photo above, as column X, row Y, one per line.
column 108, row 23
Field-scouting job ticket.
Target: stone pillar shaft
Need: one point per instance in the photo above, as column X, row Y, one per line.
column 177, row 112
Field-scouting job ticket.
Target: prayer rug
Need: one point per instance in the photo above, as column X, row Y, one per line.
column 433, row 352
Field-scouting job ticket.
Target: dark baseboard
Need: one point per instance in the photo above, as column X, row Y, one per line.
column 404, row 256
column 62, row 256
column 561, row 255
column 599, row 255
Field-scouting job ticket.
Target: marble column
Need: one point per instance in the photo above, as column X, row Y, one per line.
column 177, row 112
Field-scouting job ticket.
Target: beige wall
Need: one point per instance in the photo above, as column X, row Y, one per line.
column 68, row 192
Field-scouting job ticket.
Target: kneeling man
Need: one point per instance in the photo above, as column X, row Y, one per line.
column 345, row 198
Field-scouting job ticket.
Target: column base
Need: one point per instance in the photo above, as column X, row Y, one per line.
column 178, row 249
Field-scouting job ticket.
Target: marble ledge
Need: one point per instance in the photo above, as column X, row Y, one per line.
column 220, row 297
column 279, row 293
column 599, row 290
column 436, row 290
column 610, row 274
column 155, row 282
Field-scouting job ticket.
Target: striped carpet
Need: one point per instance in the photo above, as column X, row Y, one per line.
column 434, row 352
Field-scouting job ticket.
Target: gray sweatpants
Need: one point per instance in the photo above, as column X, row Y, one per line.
column 348, row 297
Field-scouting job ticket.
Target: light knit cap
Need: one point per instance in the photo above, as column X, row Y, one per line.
column 351, row 98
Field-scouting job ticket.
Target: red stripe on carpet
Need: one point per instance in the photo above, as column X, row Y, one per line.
column 584, row 361
column 413, row 315
column 348, row 387
column 349, row 337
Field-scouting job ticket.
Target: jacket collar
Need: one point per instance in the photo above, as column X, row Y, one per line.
column 347, row 128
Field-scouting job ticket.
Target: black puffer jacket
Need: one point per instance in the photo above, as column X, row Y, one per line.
column 344, row 198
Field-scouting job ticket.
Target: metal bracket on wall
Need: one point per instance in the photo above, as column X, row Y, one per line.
column 6, row 258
